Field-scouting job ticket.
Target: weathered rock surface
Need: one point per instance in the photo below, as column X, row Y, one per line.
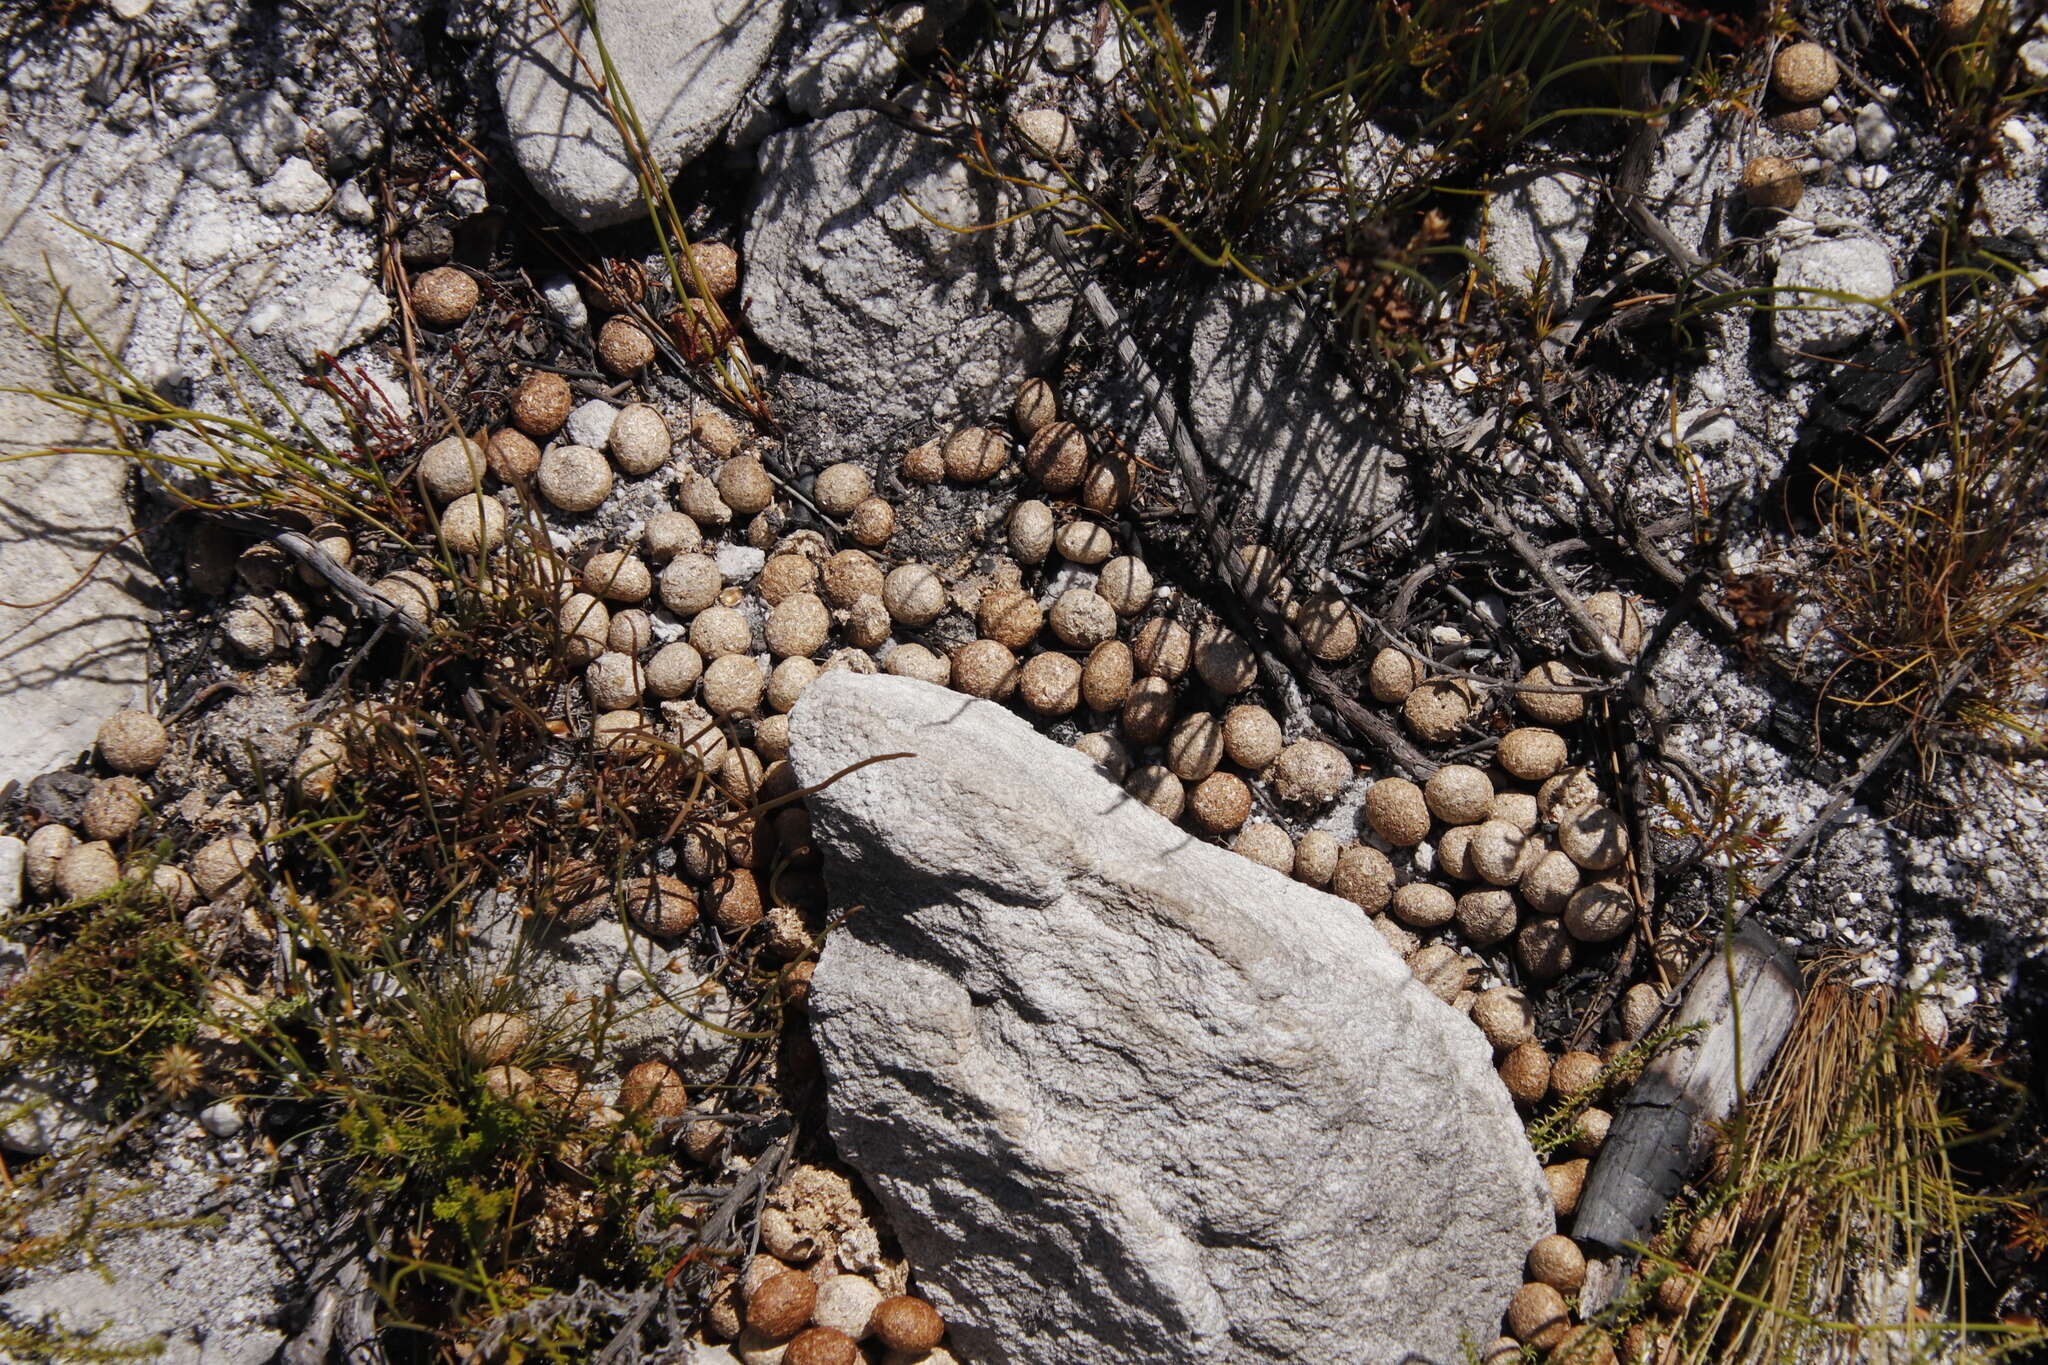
column 1282, row 421
column 1538, row 228
column 1129, row 1097
column 1816, row 284
column 895, row 326
column 685, row 64
column 73, row 644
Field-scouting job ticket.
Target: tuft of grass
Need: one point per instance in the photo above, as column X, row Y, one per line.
column 1935, row 576
column 1833, row 1224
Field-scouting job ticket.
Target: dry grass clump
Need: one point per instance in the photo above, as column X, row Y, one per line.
column 1835, row 1221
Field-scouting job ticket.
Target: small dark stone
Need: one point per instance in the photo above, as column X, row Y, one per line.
column 58, row 796
column 427, row 244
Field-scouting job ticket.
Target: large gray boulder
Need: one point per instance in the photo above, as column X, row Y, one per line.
column 77, row 597
column 1290, row 433
column 684, row 63
column 894, row 327
column 1127, row 1096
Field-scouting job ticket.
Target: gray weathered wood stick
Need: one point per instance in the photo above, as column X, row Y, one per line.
column 1664, row 1127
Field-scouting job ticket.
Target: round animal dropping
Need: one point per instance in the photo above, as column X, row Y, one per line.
column 616, row 576
column 132, row 742
column 1049, row 133
column 1496, row 852
column 1600, row 913
column 1435, row 711
column 798, row 626
column 849, row 576
column 1619, row 618
column 699, row 497
column 114, row 807
column 904, row 1323
column 1156, row 787
column 660, row 906
column 511, row 456
column 1107, row 753
column 821, row 1346
column 1057, row 457
column 1035, row 408
column 925, row 463
column 669, row 534
column 865, row 625
column 690, row 584
column 623, row 349
column 974, row 455
column 1422, row 905
column 1548, row 884
column 1147, row 710
column 1532, row 753
column 44, row 854
column 1393, row 676
column 914, row 594
column 1163, row 648
column 620, row 732
column 983, row 668
column 223, row 863
column 1567, row 791
column 614, row 682
column 1549, row 708
column 1594, row 837
column 1505, row 1017
column 1309, row 772
column 839, row 488
column 574, row 478
column 1252, row 737
column 1224, row 661
column 451, row 467
column 1083, row 542
column 1574, row 1074
column 585, row 624
column 1536, row 1316
column 1106, row 679
column 1397, row 811
column 640, row 440
column 541, row 403
column 1220, row 803
column 719, row 631
column 717, row 267
column 1315, row 857
column 1082, row 619
column 1050, row 684
column 1107, row 485
column 787, row 682
column 444, row 296
column 1486, row 917
column 1267, row 845
column 1525, row 1071
column 1009, row 616
column 744, row 485
column 1514, row 807
column 1031, row 530
column 631, row 633
column 1803, row 73
column 1557, row 1261
column 1772, row 182
column 783, row 576
column 1641, row 1006
column 1364, row 877
column 1458, row 794
column 1329, row 627
column 1195, row 747
column 1126, row 584
column 1544, row 949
